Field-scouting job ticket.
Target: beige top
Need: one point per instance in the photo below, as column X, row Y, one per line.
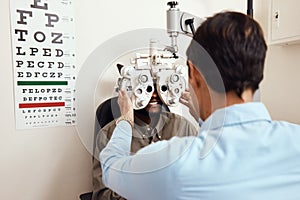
column 169, row 125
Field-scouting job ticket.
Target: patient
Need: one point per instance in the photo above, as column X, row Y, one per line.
column 152, row 124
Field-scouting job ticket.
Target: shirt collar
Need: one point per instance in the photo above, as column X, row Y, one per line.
column 144, row 128
column 236, row 114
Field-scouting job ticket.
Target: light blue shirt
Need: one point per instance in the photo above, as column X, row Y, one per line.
column 239, row 154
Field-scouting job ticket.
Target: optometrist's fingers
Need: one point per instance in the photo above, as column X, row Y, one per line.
column 125, row 104
column 186, row 99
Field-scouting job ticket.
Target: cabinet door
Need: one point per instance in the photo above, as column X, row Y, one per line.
column 284, row 21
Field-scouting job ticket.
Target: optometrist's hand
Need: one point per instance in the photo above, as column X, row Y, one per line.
column 187, row 100
column 125, row 105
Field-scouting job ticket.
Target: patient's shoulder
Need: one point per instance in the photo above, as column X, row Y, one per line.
column 108, row 128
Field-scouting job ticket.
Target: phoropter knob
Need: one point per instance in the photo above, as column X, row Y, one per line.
column 172, row 4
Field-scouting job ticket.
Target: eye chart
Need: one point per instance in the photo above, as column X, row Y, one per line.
column 44, row 68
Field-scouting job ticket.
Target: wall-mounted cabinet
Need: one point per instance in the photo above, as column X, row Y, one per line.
column 280, row 20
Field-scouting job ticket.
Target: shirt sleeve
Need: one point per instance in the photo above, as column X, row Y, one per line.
column 100, row 191
column 147, row 174
column 117, row 147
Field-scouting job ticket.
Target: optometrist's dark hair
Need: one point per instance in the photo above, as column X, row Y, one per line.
column 236, row 46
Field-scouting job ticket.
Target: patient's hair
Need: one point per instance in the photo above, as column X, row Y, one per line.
column 236, row 45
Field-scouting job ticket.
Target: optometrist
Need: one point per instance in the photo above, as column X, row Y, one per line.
column 239, row 152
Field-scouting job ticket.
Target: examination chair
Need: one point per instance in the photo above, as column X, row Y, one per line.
column 105, row 113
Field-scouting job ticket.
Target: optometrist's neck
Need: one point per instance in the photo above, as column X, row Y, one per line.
column 218, row 101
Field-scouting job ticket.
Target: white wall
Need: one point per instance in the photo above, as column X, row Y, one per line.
column 280, row 89
column 53, row 163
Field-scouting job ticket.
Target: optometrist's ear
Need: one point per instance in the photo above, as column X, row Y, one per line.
column 195, row 76
column 191, row 68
